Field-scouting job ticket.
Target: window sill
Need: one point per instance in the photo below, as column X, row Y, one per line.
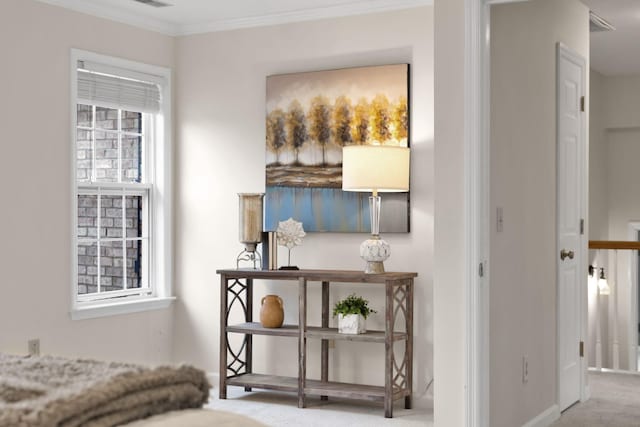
column 117, row 308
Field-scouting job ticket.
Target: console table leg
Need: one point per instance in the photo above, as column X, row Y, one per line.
column 388, row 350
column 324, row 350
column 408, row 402
column 223, row 337
column 408, row 354
column 248, row 350
column 302, row 340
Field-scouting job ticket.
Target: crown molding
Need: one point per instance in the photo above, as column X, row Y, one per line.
column 171, row 29
column 350, row 9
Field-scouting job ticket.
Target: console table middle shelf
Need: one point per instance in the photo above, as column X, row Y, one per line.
column 236, row 363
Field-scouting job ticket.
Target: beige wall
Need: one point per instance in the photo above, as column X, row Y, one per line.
column 220, row 152
column 220, row 98
column 35, row 177
column 621, row 101
column 449, row 279
column 523, row 183
column 598, row 212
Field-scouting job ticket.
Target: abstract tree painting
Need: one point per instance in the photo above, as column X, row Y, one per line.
column 310, row 117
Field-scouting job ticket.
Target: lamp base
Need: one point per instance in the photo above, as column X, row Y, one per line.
column 250, row 256
column 374, row 251
column 374, row 267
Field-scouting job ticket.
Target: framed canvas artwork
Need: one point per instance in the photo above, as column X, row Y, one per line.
column 310, row 117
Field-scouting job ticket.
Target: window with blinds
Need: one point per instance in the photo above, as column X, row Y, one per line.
column 119, row 134
column 117, row 88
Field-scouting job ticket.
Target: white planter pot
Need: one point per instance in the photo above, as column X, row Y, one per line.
column 352, row 324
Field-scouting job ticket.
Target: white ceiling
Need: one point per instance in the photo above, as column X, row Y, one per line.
column 612, row 53
column 199, row 16
column 615, row 53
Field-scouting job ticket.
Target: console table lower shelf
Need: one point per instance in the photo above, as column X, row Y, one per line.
column 314, row 387
column 236, row 367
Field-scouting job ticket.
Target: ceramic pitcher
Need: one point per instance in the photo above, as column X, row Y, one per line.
column 272, row 311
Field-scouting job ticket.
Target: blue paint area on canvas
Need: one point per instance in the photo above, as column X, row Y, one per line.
column 319, row 209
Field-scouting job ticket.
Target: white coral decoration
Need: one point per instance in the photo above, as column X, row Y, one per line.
column 290, row 233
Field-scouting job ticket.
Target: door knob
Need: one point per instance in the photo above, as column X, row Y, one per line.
column 566, row 254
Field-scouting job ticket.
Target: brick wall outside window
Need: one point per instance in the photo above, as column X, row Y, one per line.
column 113, row 257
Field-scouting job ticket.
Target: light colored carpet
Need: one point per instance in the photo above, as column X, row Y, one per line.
column 615, row 402
column 197, row 418
column 281, row 409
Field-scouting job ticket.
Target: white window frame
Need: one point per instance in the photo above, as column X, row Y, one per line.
column 159, row 172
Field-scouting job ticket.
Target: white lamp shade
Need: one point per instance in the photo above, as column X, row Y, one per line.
column 374, row 168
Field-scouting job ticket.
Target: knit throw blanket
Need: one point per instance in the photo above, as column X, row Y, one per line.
column 56, row 392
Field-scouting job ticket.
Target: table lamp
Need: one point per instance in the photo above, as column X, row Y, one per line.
column 250, row 210
column 375, row 169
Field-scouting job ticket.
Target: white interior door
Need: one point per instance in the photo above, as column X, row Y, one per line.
column 571, row 275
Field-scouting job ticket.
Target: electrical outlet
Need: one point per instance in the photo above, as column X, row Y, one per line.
column 332, row 343
column 525, row 369
column 34, row 347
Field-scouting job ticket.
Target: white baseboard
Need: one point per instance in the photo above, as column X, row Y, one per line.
column 546, row 418
column 587, row 393
column 423, row 402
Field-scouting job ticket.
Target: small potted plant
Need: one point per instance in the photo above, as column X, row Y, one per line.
column 352, row 314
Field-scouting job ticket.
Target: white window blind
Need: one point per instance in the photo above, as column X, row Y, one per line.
column 135, row 92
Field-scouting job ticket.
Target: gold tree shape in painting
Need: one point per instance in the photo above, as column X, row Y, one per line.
column 401, row 119
column 342, row 120
column 297, row 133
column 320, row 123
column 380, row 119
column 276, row 135
column 361, row 122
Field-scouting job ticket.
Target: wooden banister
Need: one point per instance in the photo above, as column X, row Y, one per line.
column 614, row 244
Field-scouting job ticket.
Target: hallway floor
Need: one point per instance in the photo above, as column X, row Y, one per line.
column 615, row 402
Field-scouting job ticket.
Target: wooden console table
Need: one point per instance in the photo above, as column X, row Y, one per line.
column 236, row 363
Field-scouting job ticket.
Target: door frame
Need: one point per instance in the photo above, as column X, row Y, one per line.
column 632, row 331
column 477, row 119
column 476, row 202
column 564, row 52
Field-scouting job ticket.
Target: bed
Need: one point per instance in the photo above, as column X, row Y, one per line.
column 58, row 392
